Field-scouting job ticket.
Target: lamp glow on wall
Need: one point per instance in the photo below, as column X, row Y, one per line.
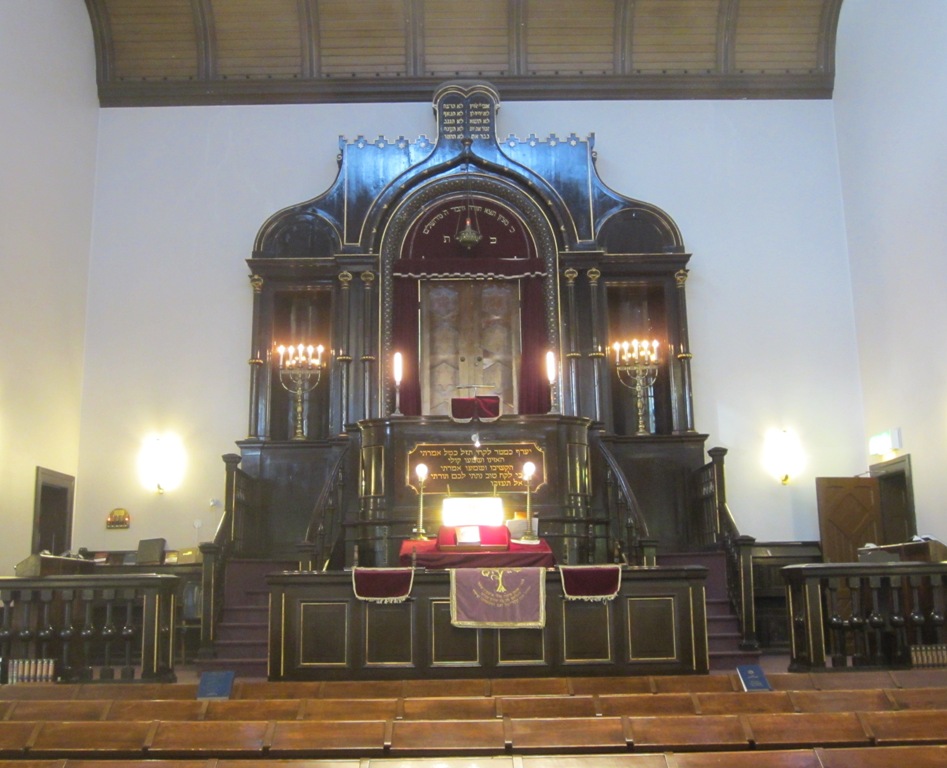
column 885, row 444
column 783, row 456
column 162, row 461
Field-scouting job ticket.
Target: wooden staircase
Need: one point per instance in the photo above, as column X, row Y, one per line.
column 242, row 634
column 723, row 626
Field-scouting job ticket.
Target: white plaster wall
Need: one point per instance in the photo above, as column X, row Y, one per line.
column 47, row 164
column 182, row 191
column 891, row 114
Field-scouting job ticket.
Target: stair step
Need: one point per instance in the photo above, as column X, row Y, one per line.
column 240, row 649
column 257, row 633
column 245, row 614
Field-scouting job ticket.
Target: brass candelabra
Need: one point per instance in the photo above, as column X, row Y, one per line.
column 636, row 363
column 300, row 369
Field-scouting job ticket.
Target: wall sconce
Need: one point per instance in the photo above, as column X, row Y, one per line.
column 885, row 444
column 783, row 456
column 161, row 462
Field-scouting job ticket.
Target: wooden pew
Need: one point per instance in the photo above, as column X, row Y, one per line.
column 743, row 703
column 91, row 739
column 29, row 709
column 884, row 757
column 15, row 738
column 865, row 700
column 440, row 737
column 254, row 709
column 796, row 758
column 317, row 738
column 588, row 686
column 920, row 698
column 457, row 688
column 583, row 734
column 221, row 738
column 647, row 704
column 349, row 709
column 907, row 727
column 806, row 729
column 687, row 733
column 694, row 683
column 152, row 709
column 480, row 708
column 546, row 706
column 530, row 686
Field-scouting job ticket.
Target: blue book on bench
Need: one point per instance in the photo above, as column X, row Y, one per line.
column 215, row 684
column 753, row 678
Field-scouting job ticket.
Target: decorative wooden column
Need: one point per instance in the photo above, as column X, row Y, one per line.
column 684, row 356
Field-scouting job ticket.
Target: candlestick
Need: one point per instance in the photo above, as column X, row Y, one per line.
column 420, row 472
column 529, row 469
column 398, row 371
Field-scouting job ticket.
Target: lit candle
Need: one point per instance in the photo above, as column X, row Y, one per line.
column 616, row 347
column 654, row 351
column 528, row 470
column 310, row 349
column 551, row 367
column 398, row 371
column 282, row 351
column 421, row 471
column 319, row 350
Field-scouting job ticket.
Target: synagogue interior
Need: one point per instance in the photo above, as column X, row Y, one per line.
column 412, row 380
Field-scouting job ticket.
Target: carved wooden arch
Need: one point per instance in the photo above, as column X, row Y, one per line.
column 530, row 212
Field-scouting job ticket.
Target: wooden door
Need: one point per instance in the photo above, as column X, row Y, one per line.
column 470, row 342
column 849, row 516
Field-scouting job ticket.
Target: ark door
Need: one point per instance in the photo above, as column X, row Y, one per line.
column 470, row 342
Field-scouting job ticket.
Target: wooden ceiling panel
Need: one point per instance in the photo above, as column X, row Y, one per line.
column 256, row 40
column 677, row 36
column 166, row 52
column 152, row 39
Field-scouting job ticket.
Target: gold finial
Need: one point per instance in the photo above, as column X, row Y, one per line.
column 256, row 282
column 345, row 278
column 681, row 277
column 367, row 277
column 594, row 274
column 571, row 275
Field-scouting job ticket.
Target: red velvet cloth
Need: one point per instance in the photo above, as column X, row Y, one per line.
column 479, row 407
column 490, row 536
column 590, row 582
column 518, row 556
column 386, row 585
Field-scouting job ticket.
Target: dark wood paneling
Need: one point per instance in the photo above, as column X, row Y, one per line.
column 320, row 631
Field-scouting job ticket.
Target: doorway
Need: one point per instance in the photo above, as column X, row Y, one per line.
column 854, row 511
column 52, row 512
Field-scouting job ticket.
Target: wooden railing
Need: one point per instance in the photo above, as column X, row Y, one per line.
column 239, row 493
column 323, row 547
column 865, row 614
column 76, row 625
column 631, row 542
column 721, row 530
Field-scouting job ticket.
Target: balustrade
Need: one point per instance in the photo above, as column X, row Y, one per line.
column 864, row 614
column 89, row 624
